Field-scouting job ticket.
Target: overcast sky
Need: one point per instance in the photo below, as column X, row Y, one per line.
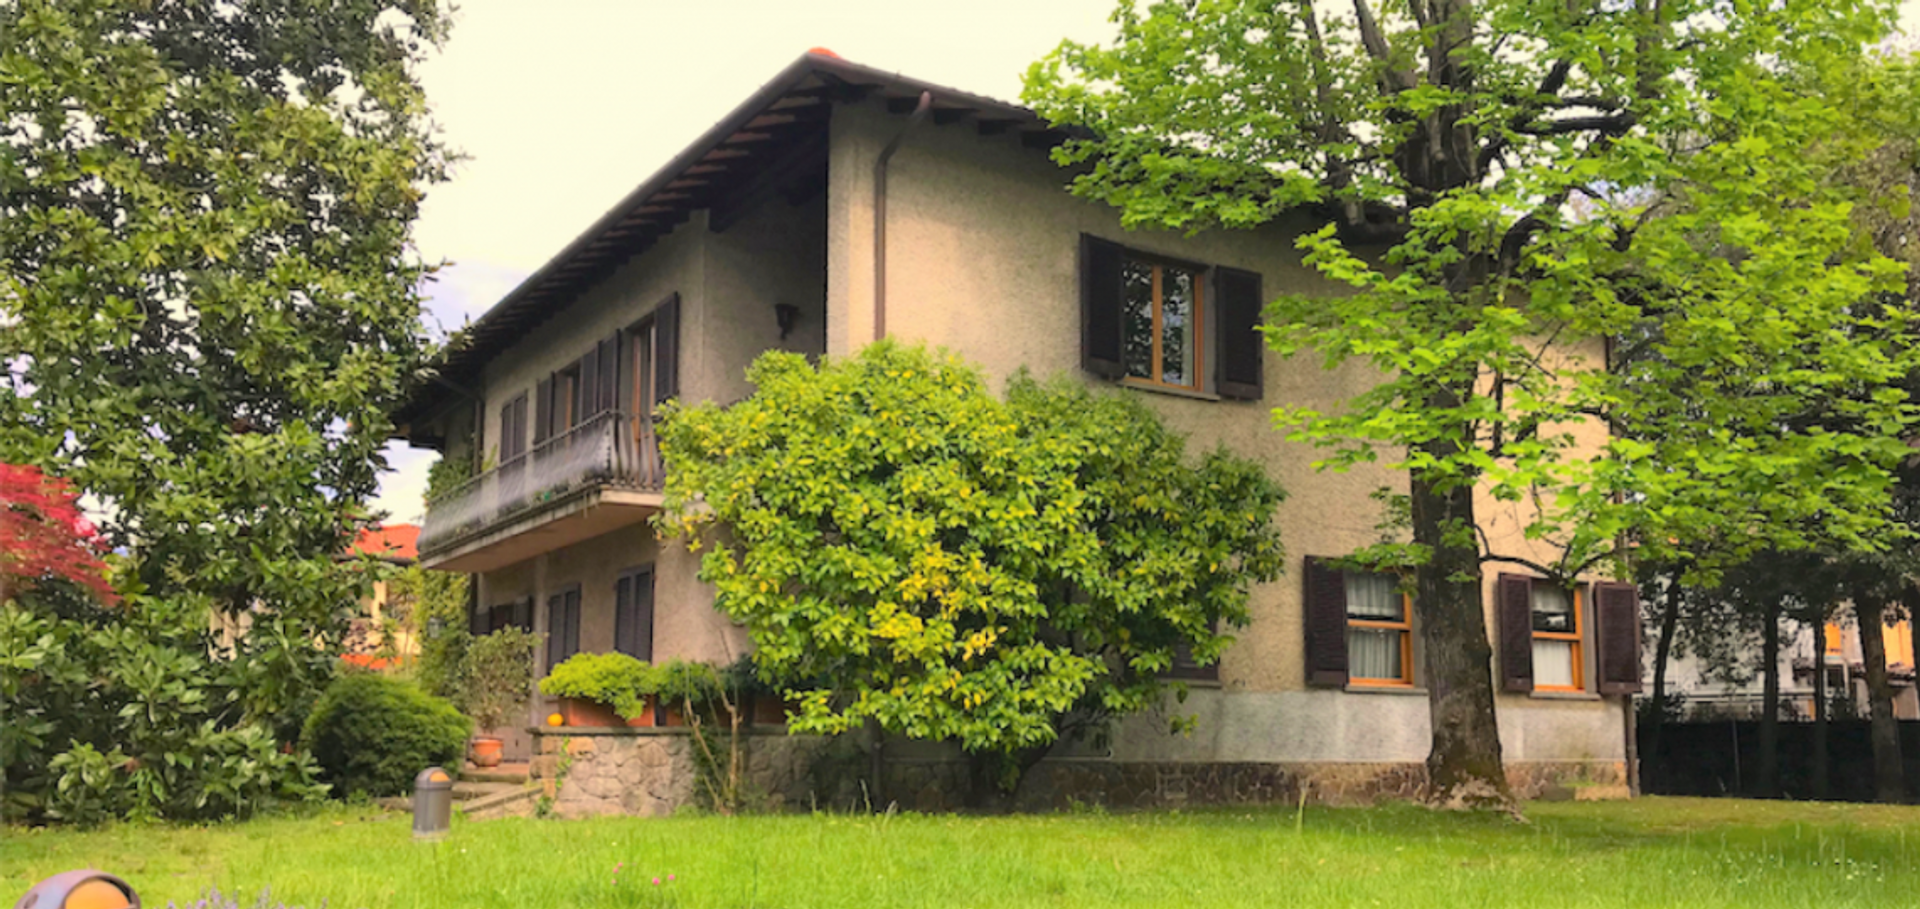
column 563, row 106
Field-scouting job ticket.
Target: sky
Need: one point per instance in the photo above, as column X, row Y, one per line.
column 563, row 106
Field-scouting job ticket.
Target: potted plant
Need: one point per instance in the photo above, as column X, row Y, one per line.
column 499, row 673
column 603, row 689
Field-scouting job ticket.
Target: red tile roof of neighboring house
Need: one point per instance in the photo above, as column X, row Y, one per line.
column 394, row 542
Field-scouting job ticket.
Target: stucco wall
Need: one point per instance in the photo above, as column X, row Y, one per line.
column 983, row 259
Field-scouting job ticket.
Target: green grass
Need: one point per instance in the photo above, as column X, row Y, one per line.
column 1652, row 852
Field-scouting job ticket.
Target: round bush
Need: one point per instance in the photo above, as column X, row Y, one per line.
column 372, row 734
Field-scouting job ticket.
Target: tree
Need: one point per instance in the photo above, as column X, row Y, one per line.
column 43, row 535
column 210, row 294
column 907, row 549
column 208, row 304
column 1503, row 184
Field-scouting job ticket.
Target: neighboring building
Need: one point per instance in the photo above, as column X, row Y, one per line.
column 1737, row 693
column 394, row 544
column 762, row 236
column 367, row 644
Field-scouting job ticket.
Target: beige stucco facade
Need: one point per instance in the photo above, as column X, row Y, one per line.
column 982, row 259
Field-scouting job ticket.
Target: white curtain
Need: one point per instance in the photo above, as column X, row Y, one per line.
column 1374, row 653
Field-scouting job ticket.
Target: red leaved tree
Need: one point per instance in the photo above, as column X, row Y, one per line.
column 43, row 535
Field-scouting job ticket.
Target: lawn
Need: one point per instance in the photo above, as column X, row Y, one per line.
column 1650, row 852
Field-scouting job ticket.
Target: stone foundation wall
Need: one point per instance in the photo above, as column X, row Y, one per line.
column 653, row 772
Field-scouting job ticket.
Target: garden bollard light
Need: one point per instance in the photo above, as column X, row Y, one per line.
column 432, row 804
column 80, row 890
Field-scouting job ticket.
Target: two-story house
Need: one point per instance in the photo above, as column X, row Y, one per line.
column 840, row 204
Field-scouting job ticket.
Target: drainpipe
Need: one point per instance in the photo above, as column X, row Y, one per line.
column 880, row 214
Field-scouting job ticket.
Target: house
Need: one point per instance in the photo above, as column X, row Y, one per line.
column 839, row 204
column 1704, row 692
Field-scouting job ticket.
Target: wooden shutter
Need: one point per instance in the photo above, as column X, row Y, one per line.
column 608, row 395
column 1515, row 593
column 506, row 431
column 542, row 410
column 666, row 349
column 1617, row 614
column 520, row 425
column 477, row 619
column 572, row 639
column 633, row 615
column 1237, row 370
column 586, row 386
column 556, row 630
column 1326, row 624
column 1101, row 302
column 521, row 616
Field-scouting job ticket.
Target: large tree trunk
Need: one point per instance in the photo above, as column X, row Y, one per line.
column 1766, row 777
column 1662, row 654
column 1821, row 769
column 1463, row 768
column 1889, row 782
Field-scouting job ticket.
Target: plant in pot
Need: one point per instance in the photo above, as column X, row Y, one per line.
column 603, row 689
column 497, row 680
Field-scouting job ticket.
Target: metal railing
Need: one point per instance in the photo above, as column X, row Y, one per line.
column 614, row 449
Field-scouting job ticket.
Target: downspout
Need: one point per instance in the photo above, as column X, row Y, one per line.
column 880, row 214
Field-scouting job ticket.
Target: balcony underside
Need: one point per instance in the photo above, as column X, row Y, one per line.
column 581, row 516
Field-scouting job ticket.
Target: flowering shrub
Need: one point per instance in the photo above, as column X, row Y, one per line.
column 43, row 535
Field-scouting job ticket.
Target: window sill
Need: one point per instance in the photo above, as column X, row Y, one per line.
column 1150, row 387
column 1564, row 695
column 1385, row 689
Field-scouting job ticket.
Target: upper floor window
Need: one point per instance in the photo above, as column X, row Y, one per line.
column 1163, row 322
column 1160, row 322
column 513, row 428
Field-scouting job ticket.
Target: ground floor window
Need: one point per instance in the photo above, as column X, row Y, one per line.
column 1379, row 630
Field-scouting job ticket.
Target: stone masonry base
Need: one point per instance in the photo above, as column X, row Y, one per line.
column 652, row 772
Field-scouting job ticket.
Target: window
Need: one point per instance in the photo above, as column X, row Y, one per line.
column 566, row 398
column 1557, row 641
column 1158, row 322
column 1379, row 631
column 1162, row 317
column 1359, row 628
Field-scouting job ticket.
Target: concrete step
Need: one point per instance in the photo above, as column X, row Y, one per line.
column 505, row 773
column 517, row 802
column 467, row 790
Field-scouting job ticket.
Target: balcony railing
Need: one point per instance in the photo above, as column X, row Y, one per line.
column 616, row 450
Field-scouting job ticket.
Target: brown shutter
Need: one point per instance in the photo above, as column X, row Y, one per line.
column 506, row 431
column 1617, row 613
column 1238, row 373
column 1515, row 595
column 542, row 410
column 586, row 389
column 666, row 349
column 608, row 397
column 522, row 614
column 556, row 631
column 573, row 622
column 520, row 425
column 1101, row 302
column 477, row 619
column 1326, row 624
column 633, row 618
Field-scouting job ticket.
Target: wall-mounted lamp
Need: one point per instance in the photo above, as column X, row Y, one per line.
column 787, row 315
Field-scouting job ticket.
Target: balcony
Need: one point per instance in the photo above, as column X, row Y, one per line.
column 603, row 474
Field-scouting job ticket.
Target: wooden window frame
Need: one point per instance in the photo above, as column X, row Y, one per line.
column 1577, row 637
column 1405, row 627
column 566, row 399
column 1197, row 319
column 513, row 428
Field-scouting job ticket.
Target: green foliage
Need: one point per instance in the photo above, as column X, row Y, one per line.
column 958, row 566
column 498, row 676
column 442, row 667
column 616, row 680
column 1656, row 175
column 120, row 714
column 211, row 305
column 372, row 734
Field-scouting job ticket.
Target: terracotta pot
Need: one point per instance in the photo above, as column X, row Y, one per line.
column 487, row 751
column 578, row 712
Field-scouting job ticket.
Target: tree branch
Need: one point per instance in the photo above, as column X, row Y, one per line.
column 1392, row 80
